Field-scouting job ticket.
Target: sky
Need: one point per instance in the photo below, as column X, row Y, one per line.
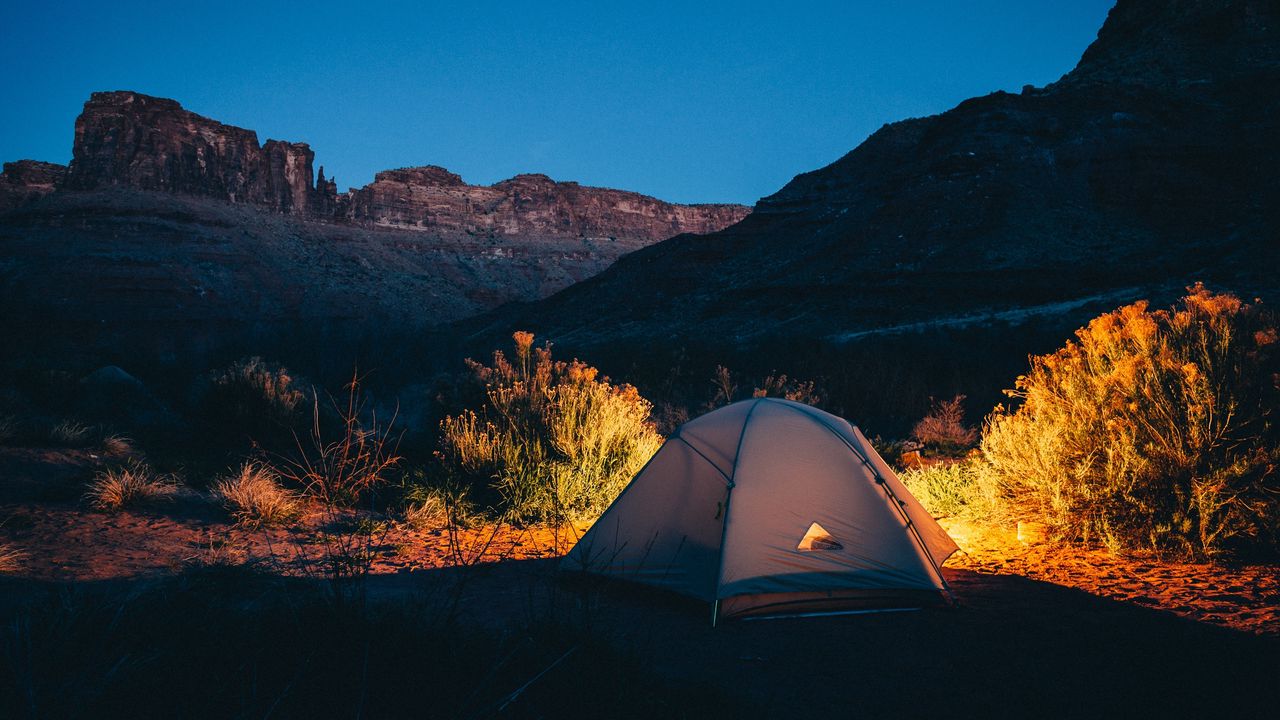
column 689, row 102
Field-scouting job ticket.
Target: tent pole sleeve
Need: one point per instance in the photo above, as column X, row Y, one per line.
column 728, row 497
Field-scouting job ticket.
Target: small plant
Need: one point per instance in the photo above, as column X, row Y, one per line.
column 724, row 389
column 70, row 433
column 943, row 429
column 116, row 446
column 337, row 471
column 253, row 398
column 131, row 484
column 254, row 497
column 780, row 386
column 429, row 512
column 552, row 440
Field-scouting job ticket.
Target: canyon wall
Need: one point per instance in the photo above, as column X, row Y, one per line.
column 132, row 140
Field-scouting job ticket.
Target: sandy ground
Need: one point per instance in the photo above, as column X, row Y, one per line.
column 1038, row 630
column 63, row 540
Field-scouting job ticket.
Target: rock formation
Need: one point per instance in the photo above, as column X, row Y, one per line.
column 131, row 140
column 25, row 181
column 432, row 198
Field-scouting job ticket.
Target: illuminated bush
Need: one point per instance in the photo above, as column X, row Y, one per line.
column 1153, row 429
column 550, row 440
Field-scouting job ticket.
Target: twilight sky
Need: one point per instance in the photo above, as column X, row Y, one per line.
column 719, row 102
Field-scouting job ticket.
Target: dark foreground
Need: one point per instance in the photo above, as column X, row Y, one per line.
column 510, row 640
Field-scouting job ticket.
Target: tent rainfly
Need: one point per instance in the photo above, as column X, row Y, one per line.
column 771, row 507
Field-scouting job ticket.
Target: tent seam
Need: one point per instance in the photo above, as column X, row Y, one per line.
column 724, row 529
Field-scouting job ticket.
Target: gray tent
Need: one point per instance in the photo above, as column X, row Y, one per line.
column 768, row 506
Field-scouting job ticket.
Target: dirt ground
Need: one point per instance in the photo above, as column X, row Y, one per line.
column 1038, row 629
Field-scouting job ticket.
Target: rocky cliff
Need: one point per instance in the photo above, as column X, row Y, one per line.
column 25, row 181
column 432, row 198
column 176, row 238
column 131, row 140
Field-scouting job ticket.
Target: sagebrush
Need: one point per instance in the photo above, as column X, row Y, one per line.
column 1154, row 428
column 551, row 440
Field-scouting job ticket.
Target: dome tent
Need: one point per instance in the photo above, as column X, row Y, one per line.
column 768, row 506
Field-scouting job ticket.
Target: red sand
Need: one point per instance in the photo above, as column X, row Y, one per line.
column 65, row 540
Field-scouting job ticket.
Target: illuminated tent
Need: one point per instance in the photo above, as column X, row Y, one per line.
column 768, row 507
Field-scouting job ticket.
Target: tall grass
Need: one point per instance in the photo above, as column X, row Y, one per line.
column 550, row 440
column 1153, row 429
column 338, row 466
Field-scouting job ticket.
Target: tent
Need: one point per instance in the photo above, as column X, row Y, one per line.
column 768, row 507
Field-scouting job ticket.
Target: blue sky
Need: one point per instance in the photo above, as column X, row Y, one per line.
column 688, row 102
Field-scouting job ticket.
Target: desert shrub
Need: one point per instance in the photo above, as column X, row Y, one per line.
column 551, row 440
column 131, row 484
column 1152, row 429
column 254, row 497
column 70, row 433
column 337, row 467
column 255, row 398
column 943, row 429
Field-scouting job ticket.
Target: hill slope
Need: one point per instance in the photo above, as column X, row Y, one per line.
column 1152, row 164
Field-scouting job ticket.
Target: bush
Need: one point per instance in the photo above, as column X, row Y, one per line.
column 255, row 398
column 551, row 439
column 943, row 429
column 1153, row 429
column 129, row 485
column 254, row 497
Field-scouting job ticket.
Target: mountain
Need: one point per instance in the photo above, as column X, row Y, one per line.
column 1152, row 164
column 171, row 235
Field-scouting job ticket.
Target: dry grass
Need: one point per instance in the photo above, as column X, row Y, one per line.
column 70, row 433
column 11, row 558
column 116, row 446
column 338, row 467
column 254, row 497
column 428, row 513
column 132, row 484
